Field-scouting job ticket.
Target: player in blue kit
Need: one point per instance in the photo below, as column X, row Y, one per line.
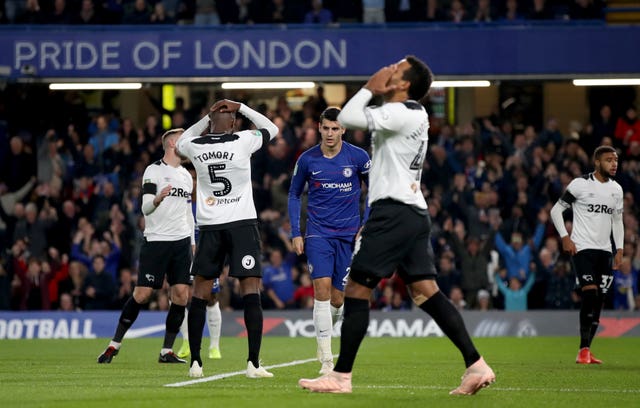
column 334, row 171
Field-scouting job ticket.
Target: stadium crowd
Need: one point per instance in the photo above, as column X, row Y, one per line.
column 71, row 225
column 223, row 12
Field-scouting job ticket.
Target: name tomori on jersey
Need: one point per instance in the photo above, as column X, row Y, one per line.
column 213, row 155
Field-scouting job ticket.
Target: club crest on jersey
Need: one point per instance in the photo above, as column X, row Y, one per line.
column 347, row 172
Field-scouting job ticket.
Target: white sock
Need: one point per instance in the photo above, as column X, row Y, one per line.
column 322, row 322
column 336, row 313
column 115, row 344
column 165, row 351
column 184, row 329
column 214, row 322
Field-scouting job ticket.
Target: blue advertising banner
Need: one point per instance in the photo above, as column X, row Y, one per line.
column 303, row 52
column 90, row 325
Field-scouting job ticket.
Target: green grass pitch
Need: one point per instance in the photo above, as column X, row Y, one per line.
column 389, row 372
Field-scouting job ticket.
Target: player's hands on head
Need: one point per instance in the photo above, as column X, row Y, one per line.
column 225, row 105
column 378, row 84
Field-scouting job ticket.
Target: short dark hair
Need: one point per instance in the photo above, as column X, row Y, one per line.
column 330, row 114
column 602, row 150
column 420, row 77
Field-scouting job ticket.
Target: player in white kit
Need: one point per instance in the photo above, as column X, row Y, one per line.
column 227, row 219
column 166, row 249
column 597, row 204
column 397, row 234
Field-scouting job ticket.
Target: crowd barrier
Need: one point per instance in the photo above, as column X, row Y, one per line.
column 89, row 325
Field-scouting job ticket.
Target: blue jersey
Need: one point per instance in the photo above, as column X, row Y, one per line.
column 333, row 208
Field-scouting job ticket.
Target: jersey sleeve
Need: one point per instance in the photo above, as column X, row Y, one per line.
column 295, row 191
column 569, row 196
column 390, row 116
column 195, row 130
column 150, row 181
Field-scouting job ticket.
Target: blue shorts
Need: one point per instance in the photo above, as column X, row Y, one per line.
column 329, row 258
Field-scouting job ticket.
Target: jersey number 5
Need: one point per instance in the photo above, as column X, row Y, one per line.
column 223, row 180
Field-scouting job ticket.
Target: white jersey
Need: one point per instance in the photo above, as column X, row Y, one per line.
column 399, row 146
column 594, row 204
column 222, row 162
column 169, row 221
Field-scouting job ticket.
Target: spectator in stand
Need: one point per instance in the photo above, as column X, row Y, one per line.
column 60, row 13
column 206, row 13
column 19, row 165
column 125, row 289
column 32, row 14
column 517, row 255
column 32, row 289
column 484, row 12
column 560, row 292
column 99, row 287
column 87, row 14
column 457, row 298
column 33, row 228
column 74, row 284
column 625, row 286
column 457, row 12
column 160, row 16
column 627, row 129
column 603, row 126
column 66, row 303
column 50, row 163
column 59, row 271
column 140, row 13
column 102, row 139
column 540, row 10
column 484, row 300
column 473, row 257
column 8, row 203
column 403, row 10
column 551, row 134
column 448, row 275
column 515, row 294
column 512, row 13
column 303, row 295
column 86, row 248
column 278, row 281
column 373, row 11
column 318, row 14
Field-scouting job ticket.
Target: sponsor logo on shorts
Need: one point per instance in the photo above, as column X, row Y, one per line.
column 150, row 277
column 248, row 262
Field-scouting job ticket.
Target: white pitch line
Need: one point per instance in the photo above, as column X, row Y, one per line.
column 234, row 373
